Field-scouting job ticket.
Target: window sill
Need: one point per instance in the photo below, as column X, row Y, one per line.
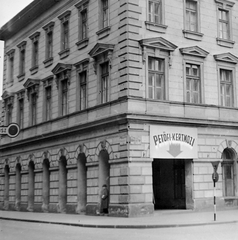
column 34, row 70
column 193, row 35
column 65, row 53
column 225, row 42
column 230, row 198
column 21, row 77
column 82, row 43
column 103, row 32
column 160, row 28
column 48, row 62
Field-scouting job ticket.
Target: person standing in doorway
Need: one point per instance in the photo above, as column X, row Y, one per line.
column 104, row 200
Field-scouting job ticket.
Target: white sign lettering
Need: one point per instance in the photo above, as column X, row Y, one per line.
column 173, row 142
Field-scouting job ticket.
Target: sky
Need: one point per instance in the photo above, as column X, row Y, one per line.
column 8, row 9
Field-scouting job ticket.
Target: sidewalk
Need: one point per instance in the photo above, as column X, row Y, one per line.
column 160, row 219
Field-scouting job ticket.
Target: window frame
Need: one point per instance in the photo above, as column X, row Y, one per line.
column 21, row 103
column 105, row 13
column 63, row 73
column 104, row 29
column 82, row 8
column 104, row 79
column 65, row 34
column 22, row 60
column 35, row 52
column 192, row 77
column 226, row 61
column 158, row 48
column 82, row 70
column 231, row 69
column 33, row 108
column 154, row 26
column 227, row 6
column 102, row 53
column 47, row 102
column 164, row 94
column 8, row 103
column 64, row 97
column 194, row 56
column 49, row 43
column 187, row 32
column 11, row 65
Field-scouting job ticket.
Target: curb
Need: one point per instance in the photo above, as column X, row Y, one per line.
column 119, row 226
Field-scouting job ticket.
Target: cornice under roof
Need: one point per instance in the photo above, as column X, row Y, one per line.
column 26, row 16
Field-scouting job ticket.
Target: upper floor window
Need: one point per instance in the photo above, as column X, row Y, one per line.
column 193, row 83
column 33, row 108
column 32, row 86
column 63, row 72
column 35, row 52
column 10, row 55
column 104, row 22
column 82, row 70
column 83, row 90
column 156, row 78
column 226, row 88
column 102, row 54
column 22, row 60
column 192, row 28
column 224, row 22
column 105, row 13
column 64, row 34
column 47, row 101
column 48, row 43
column 8, row 103
column 155, row 16
column 155, row 11
column 226, row 79
column 104, row 82
column 155, row 55
column 193, row 60
column 83, row 23
column 191, row 15
column 20, row 111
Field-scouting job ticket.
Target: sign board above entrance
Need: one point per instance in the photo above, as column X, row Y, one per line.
column 173, row 142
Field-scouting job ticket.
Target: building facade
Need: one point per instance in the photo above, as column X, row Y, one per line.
column 138, row 95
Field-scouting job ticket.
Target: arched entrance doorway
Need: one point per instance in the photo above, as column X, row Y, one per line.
column 6, row 187
column 18, row 187
column 228, row 172
column 82, row 183
column 104, row 168
column 62, row 184
column 31, row 185
column 46, row 185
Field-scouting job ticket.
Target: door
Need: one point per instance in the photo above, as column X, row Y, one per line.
column 169, row 184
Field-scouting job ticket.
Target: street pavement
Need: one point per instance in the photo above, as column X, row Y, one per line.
column 160, row 219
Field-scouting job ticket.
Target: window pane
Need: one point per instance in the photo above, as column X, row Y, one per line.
column 151, row 62
column 156, row 78
column 191, row 15
column 193, row 85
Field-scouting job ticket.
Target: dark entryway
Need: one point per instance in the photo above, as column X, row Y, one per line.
column 169, row 183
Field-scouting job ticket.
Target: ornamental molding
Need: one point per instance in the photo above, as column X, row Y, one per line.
column 226, row 57
column 194, row 51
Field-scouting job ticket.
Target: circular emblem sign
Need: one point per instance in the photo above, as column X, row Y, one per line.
column 13, row 130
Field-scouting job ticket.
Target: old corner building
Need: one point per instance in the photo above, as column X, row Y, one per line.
column 139, row 95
